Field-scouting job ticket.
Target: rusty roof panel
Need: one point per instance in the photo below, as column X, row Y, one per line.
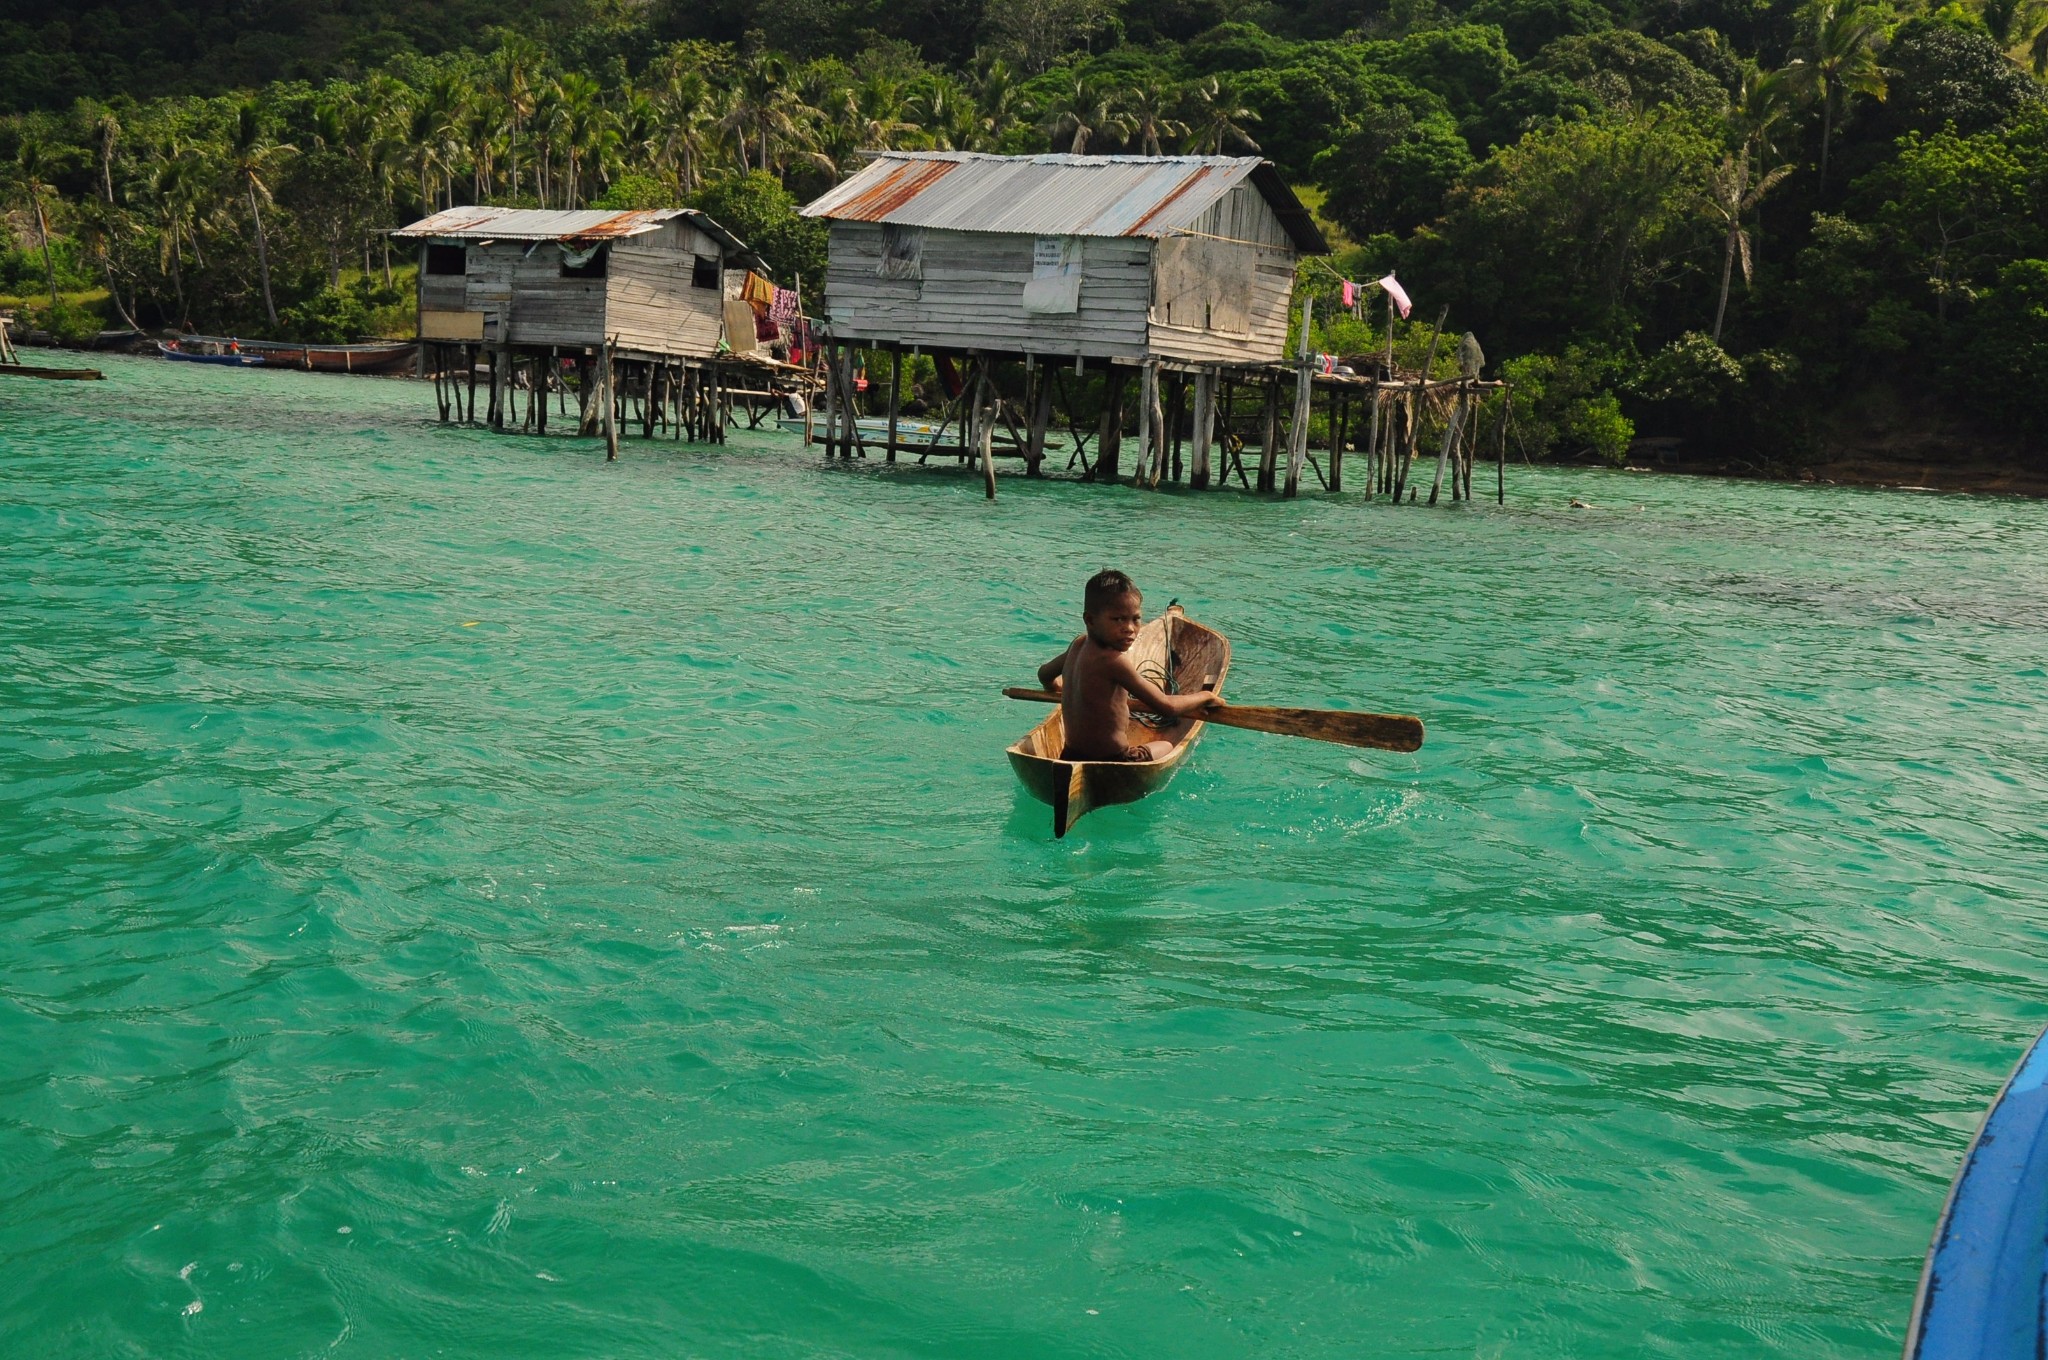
column 896, row 186
column 1054, row 195
column 537, row 224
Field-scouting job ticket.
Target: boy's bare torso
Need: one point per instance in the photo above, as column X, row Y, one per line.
column 1095, row 705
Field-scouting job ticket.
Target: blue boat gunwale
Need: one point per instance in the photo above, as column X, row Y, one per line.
column 2003, row 1123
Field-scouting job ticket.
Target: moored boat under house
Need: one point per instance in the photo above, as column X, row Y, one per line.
column 648, row 305
column 1093, row 275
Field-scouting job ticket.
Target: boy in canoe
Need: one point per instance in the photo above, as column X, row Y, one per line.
column 1096, row 681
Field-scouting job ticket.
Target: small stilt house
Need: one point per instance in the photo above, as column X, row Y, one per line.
column 1144, row 263
column 654, row 281
column 649, row 306
column 1187, row 258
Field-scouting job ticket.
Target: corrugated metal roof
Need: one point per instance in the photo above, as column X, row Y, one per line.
column 1056, row 195
column 537, row 224
column 580, row 226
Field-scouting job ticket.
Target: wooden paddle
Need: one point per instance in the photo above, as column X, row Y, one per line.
column 1381, row 731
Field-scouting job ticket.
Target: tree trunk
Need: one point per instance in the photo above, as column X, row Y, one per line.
column 262, row 258
column 1727, row 273
column 1827, row 135
column 49, row 269
column 178, row 274
column 114, row 290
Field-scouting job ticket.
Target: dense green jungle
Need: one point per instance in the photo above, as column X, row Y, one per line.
column 1774, row 234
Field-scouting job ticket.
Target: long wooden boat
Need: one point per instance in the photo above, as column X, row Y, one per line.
column 1179, row 655
column 390, row 356
column 1981, row 1291
column 61, row 374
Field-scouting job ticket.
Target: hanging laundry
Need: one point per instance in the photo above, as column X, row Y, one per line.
column 1350, row 293
column 758, row 292
column 765, row 328
column 1398, row 294
column 784, row 308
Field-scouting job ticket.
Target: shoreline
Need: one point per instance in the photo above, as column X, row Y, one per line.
column 1885, row 474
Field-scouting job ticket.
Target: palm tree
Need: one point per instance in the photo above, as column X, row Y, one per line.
column 1765, row 101
column 103, row 126
column 682, row 104
column 585, row 128
column 1216, row 118
column 1082, row 112
column 879, row 114
column 1839, row 58
column 946, row 117
column 518, row 60
column 35, row 161
column 998, row 106
column 1149, row 105
column 1731, row 196
column 252, row 159
column 762, row 107
column 100, row 226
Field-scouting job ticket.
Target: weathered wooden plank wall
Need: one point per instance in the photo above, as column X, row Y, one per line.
column 972, row 294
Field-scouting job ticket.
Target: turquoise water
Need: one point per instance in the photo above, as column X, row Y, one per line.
column 460, row 898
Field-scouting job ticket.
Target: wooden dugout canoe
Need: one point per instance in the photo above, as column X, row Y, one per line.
column 1174, row 652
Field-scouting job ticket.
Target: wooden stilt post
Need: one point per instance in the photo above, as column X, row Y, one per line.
column 895, row 397
column 1269, row 438
column 607, row 380
column 1176, row 409
column 1372, row 444
column 1148, row 422
column 1304, row 397
column 1447, row 450
column 1041, row 416
column 1340, row 409
column 469, row 353
column 831, row 395
column 1421, row 403
column 1500, row 447
column 984, row 407
column 1109, row 442
column 494, row 415
column 1204, row 431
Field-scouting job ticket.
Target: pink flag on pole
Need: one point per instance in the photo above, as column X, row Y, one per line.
column 1398, row 294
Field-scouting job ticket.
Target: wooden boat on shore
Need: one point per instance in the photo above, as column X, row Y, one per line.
column 391, row 356
column 1170, row 649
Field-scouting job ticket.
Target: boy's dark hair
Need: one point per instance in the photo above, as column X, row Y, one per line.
column 1105, row 587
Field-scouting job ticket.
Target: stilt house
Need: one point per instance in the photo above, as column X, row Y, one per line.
column 1186, row 259
column 655, row 281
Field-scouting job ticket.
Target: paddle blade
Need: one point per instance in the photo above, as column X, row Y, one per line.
column 1043, row 696
column 1379, row 731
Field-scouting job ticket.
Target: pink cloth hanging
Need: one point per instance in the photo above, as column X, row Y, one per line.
column 1350, row 293
column 1398, row 294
